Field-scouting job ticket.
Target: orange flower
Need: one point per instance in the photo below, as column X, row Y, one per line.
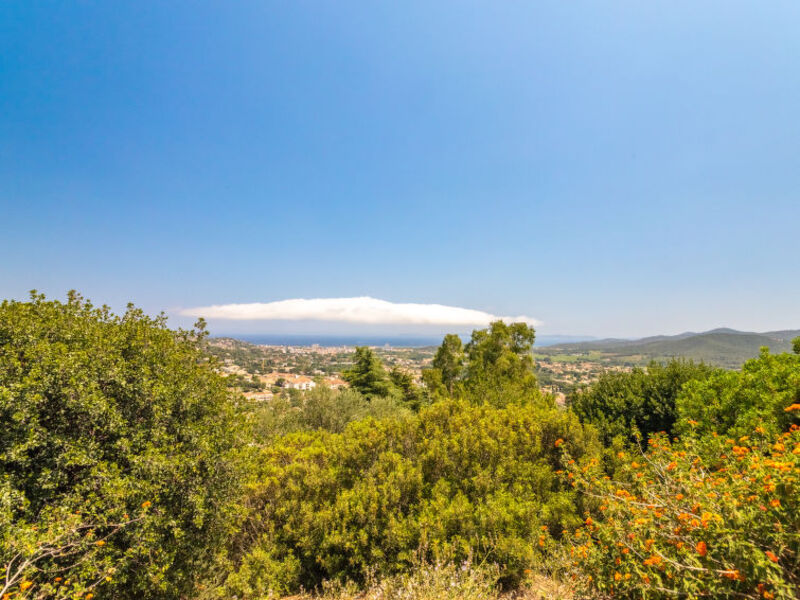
column 559, row 441
column 733, row 574
column 702, row 548
column 25, row 585
column 792, row 407
column 775, row 503
column 147, row 504
column 655, row 559
column 772, row 556
column 671, row 466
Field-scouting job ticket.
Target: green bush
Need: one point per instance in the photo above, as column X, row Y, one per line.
column 117, row 453
column 640, row 402
column 454, row 482
column 735, row 402
column 319, row 408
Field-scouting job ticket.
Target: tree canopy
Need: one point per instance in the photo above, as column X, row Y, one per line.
column 638, row 403
column 496, row 366
column 368, row 375
column 118, row 443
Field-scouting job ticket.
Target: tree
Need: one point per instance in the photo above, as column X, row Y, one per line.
column 500, row 366
column 118, row 452
column 796, row 345
column 643, row 401
column 411, row 394
column 367, row 374
column 435, row 390
column 449, row 360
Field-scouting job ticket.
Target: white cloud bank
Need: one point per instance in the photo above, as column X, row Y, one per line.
column 364, row 310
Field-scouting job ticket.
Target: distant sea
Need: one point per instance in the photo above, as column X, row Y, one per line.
column 376, row 340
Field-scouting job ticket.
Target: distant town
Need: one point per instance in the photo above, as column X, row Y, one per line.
column 262, row 371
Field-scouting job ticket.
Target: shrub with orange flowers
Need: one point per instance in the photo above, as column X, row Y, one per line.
column 712, row 516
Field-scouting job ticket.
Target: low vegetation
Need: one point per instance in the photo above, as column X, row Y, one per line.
column 130, row 469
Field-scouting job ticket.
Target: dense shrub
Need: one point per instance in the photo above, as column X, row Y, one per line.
column 735, row 402
column 712, row 517
column 320, row 408
column 640, row 402
column 117, row 454
column 453, row 482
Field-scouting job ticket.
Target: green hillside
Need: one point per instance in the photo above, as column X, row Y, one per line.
column 722, row 347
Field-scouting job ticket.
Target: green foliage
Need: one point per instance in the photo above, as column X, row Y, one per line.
column 796, row 345
column 118, row 449
column 638, row 402
column 735, row 402
column 500, row 363
column 449, row 360
column 496, row 367
column 439, row 581
column 434, row 389
column 453, row 482
column 411, row 395
column 127, row 470
column 367, row 375
column 320, row 408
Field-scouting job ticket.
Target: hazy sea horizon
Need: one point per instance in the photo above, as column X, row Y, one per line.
column 396, row 341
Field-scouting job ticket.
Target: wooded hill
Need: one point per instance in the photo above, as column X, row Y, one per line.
column 721, row 347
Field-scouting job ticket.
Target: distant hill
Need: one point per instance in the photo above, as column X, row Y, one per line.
column 723, row 347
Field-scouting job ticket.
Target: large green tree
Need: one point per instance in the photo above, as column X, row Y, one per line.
column 117, row 447
column 640, row 402
column 500, row 366
column 410, row 393
column 496, row 366
column 367, row 375
column 449, row 360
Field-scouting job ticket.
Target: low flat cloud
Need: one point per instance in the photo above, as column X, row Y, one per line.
column 363, row 310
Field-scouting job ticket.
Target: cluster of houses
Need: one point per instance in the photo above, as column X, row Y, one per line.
column 291, row 381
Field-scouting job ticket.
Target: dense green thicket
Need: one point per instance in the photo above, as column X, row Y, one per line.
column 735, row 402
column 321, row 408
column 454, row 481
column 641, row 402
column 117, row 453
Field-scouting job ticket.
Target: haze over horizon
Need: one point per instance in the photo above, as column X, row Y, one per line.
column 598, row 171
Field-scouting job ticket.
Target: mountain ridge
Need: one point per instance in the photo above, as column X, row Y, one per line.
column 722, row 346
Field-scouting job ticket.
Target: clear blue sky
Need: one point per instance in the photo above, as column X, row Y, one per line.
column 609, row 168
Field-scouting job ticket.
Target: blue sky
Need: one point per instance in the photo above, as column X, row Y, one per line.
column 606, row 168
